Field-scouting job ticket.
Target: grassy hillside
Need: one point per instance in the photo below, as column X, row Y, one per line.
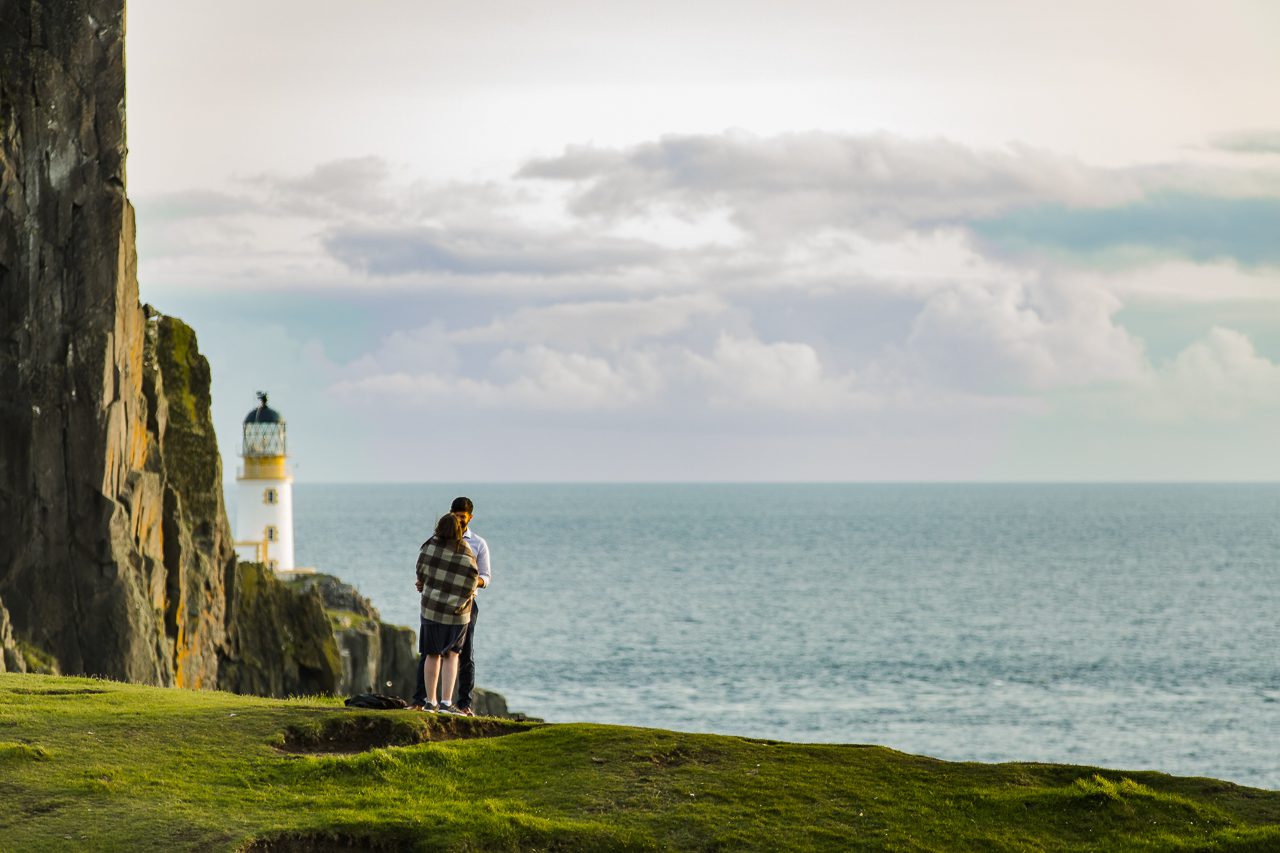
column 100, row 765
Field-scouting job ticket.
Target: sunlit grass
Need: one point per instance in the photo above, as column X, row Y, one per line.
column 113, row 766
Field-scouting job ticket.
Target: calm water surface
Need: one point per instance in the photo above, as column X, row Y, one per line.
column 1128, row 626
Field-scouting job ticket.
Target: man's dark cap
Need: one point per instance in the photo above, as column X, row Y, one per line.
column 462, row 505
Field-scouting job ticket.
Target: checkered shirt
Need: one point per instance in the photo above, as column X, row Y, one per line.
column 449, row 581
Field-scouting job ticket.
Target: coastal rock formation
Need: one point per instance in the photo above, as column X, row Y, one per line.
column 81, row 479
column 279, row 642
column 377, row 657
column 198, row 554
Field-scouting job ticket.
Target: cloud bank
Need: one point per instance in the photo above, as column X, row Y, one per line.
column 799, row 284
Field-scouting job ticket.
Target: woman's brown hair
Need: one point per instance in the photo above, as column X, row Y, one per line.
column 449, row 530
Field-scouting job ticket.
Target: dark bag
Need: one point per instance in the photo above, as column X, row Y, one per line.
column 377, row 701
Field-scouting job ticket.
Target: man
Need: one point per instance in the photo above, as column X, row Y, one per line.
column 463, row 509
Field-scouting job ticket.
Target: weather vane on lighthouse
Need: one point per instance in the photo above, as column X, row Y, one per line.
column 264, row 499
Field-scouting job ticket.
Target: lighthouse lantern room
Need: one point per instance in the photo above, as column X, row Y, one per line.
column 264, row 498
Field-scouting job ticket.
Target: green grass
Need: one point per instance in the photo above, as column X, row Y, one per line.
column 101, row 765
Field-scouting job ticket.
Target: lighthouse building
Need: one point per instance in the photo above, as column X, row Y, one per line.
column 264, row 491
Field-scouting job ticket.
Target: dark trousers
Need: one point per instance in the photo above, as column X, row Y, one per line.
column 467, row 663
column 466, row 668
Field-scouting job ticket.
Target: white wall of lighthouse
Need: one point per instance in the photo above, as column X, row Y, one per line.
column 264, row 517
column 264, row 491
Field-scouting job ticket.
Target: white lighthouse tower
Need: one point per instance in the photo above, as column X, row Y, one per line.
column 264, row 498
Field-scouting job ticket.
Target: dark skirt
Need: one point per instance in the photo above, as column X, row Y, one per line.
column 436, row 638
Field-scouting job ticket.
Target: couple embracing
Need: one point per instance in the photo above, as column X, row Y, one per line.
column 452, row 565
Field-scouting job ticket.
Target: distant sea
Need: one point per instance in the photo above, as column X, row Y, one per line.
column 1127, row 626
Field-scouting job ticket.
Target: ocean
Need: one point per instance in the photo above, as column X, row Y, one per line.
column 1126, row 626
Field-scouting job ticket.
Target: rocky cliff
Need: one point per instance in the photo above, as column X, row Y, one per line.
column 82, row 483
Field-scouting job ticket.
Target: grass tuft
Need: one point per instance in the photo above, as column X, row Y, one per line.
column 20, row 752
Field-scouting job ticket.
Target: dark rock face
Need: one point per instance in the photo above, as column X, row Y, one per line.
column 115, row 552
column 199, row 555
column 279, row 642
column 81, row 487
column 376, row 657
column 336, row 594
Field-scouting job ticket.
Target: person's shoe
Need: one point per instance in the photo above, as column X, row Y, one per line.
column 466, row 712
column 422, row 706
column 446, row 708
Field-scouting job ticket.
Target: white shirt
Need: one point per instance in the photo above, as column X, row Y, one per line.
column 480, row 548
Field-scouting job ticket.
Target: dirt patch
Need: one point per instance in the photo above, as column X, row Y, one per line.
column 360, row 732
column 320, row 842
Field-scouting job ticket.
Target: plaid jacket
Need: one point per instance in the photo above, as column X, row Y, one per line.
column 450, row 579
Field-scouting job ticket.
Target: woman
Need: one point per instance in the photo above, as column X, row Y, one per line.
column 447, row 579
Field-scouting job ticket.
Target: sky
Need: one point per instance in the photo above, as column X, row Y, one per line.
column 747, row 241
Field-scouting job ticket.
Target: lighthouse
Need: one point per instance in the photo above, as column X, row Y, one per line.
column 264, row 497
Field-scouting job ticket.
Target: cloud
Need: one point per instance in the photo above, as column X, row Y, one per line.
column 398, row 251
column 806, row 212
column 335, row 188
column 1183, row 282
column 409, row 352
column 193, row 204
column 1258, row 141
column 801, row 181
column 537, row 378
column 595, row 323
column 1005, row 337
column 746, row 373
column 1165, row 225
column 1220, row 377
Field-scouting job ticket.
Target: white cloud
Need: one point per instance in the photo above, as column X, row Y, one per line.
column 1184, row 282
column 1219, row 377
column 334, row 188
column 1255, row 141
column 518, row 250
column 589, row 324
column 421, row 351
column 534, row 378
column 779, row 185
column 1003, row 337
column 746, row 373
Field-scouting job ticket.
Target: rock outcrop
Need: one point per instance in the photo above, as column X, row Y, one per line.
column 11, row 659
column 377, row 657
column 279, row 642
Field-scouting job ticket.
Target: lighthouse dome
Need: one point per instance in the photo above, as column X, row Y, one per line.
column 263, row 414
column 264, row 431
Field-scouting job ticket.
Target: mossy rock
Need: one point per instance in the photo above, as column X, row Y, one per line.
column 37, row 660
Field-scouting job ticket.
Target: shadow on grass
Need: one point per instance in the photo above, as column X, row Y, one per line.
column 323, row 842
